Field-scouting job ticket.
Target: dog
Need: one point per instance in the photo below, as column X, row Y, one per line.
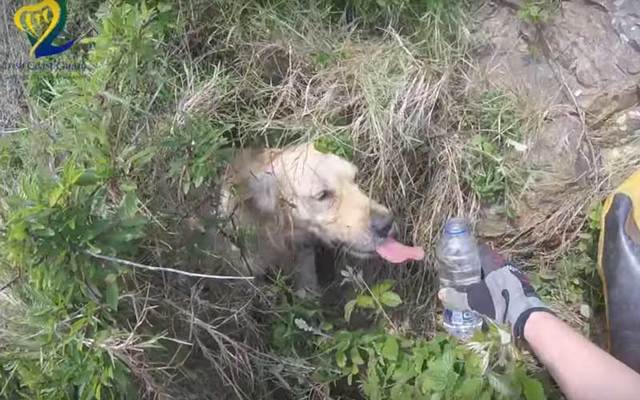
column 284, row 202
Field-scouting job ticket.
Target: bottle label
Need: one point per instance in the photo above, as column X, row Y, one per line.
column 459, row 317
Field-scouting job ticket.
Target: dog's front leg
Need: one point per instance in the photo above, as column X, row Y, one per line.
column 306, row 279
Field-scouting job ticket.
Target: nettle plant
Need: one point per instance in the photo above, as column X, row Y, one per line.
column 387, row 364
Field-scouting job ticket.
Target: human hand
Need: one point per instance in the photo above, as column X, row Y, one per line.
column 504, row 294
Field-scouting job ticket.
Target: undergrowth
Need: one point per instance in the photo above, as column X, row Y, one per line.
column 572, row 285
column 387, row 363
column 493, row 171
column 117, row 170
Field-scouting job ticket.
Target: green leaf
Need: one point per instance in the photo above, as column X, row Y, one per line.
column 129, row 205
column 356, row 358
column 404, row 372
column 487, row 394
column 343, row 341
column 382, row 287
column 348, row 310
column 371, row 386
column 390, row 349
column 322, row 58
column 390, row 299
column 448, row 357
column 365, row 301
column 341, row 359
column 55, row 195
column 401, row 391
column 112, row 292
column 436, row 377
column 340, row 145
column 470, row 388
column 473, row 364
column 87, row 178
column 533, row 389
column 501, row 384
column 143, row 157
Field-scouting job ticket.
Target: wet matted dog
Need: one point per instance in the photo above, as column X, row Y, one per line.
column 286, row 201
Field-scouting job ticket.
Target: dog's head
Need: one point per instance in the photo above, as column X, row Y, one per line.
column 318, row 194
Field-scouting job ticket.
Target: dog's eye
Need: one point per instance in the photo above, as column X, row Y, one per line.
column 323, row 195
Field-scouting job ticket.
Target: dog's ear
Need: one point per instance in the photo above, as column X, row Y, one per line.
column 263, row 192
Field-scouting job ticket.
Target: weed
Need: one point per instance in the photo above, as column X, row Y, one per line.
column 593, row 228
column 201, row 153
column 572, row 285
column 376, row 299
column 537, row 11
column 52, row 228
column 389, row 365
column 491, row 171
column 341, row 146
column 388, row 12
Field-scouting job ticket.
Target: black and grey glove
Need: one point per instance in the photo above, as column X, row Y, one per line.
column 504, row 294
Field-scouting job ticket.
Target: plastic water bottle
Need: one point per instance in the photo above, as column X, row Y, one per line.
column 459, row 265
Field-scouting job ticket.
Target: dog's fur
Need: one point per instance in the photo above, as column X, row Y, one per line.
column 285, row 201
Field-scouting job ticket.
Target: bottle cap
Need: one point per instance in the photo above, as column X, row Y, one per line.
column 456, row 226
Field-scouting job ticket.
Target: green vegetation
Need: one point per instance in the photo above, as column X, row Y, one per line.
column 69, row 199
column 118, row 165
column 389, row 364
column 492, row 167
column 538, row 11
column 339, row 146
column 572, row 285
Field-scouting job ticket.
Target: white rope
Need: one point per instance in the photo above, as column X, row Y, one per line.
column 175, row 271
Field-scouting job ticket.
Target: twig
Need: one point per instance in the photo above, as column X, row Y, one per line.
column 175, row 271
column 11, row 282
column 12, row 131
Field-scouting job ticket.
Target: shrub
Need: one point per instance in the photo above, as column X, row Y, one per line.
column 388, row 364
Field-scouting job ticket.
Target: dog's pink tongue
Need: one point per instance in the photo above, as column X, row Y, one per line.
column 396, row 252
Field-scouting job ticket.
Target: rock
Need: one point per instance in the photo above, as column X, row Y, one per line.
column 620, row 130
column 514, row 4
column 581, row 37
column 626, row 21
column 600, row 104
column 558, row 167
column 507, row 60
column 617, row 162
column 493, row 223
column 556, row 149
column 584, row 58
column 619, row 141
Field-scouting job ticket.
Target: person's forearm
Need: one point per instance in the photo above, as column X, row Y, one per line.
column 582, row 370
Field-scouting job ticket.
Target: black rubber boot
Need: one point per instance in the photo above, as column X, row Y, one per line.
column 619, row 268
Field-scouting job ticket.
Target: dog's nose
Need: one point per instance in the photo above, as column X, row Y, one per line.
column 382, row 224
